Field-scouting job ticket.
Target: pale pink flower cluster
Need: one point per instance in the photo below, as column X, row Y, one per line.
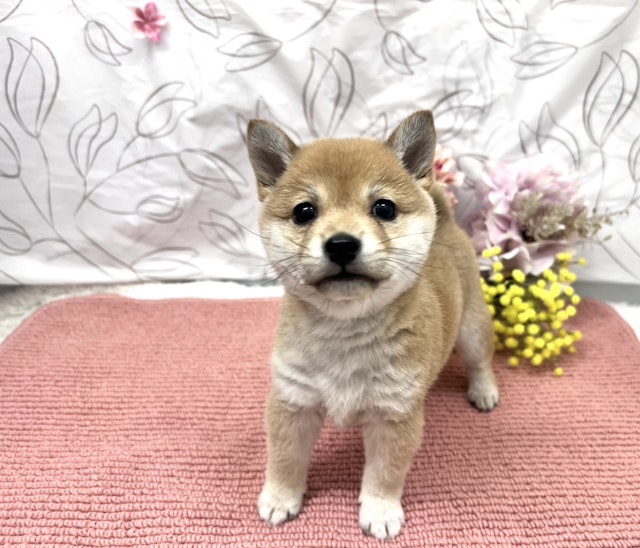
column 149, row 22
column 446, row 172
column 531, row 209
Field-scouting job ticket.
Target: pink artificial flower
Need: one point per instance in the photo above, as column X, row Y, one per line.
column 149, row 22
column 529, row 209
column 445, row 172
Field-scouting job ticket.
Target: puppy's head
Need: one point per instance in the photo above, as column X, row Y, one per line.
column 346, row 223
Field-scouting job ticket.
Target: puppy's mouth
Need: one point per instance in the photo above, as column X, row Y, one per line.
column 345, row 280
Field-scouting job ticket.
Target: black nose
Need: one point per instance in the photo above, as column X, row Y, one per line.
column 342, row 248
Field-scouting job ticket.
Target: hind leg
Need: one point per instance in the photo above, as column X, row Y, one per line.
column 475, row 347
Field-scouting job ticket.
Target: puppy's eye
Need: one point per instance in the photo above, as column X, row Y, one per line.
column 384, row 209
column 304, row 213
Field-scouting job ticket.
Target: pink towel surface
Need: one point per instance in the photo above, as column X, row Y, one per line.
column 129, row 423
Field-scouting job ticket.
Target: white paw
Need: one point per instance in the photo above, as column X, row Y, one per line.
column 381, row 518
column 483, row 391
column 276, row 506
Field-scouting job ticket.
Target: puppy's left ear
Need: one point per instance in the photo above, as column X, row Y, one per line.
column 270, row 152
column 414, row 143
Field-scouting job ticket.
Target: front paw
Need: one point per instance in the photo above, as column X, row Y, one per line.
column 483, row 391
column 380, row 517
column 277, row 505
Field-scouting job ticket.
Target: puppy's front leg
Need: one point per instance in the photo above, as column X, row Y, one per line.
column 389, row 449
column 291, row 435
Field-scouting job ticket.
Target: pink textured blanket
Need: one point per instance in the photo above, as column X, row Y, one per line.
column 126, row 423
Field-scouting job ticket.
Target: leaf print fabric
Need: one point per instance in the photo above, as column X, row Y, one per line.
column 125, row 160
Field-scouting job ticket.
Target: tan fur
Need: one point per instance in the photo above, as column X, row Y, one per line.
column 364, row 352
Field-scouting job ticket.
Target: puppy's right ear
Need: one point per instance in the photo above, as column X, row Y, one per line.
column 270, row 152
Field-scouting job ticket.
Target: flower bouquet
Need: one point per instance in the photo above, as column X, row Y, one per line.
column 531, row 216
column 445, row 172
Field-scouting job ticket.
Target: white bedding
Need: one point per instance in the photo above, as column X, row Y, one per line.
column 124, row 160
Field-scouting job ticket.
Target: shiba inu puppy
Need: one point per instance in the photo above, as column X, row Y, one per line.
column 380, row 286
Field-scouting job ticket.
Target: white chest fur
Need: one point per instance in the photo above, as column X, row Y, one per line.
column 349, row 368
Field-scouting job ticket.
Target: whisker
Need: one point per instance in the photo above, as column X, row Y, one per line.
column 296, row 243
column 404, row 270
column 418, row 234
column 403, row 255
column 406, row 236
column 265, row 238
column 400, row 252
column 249, row 230
column 403, row 262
